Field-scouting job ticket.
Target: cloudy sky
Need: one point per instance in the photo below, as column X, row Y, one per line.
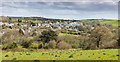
column 107, row 9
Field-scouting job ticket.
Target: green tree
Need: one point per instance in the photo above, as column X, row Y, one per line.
column 19, row 20
column 26, row 44
column 34, row 45
column 14, row 45
column 48, row 35
column 21, row 31
column 9, row 46
column 81, row 28
column 101, row 37
column 33, row 24
column 10, row 19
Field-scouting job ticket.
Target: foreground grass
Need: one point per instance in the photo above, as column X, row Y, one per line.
column 0, row 56
column 0, row 53
column 103, row 54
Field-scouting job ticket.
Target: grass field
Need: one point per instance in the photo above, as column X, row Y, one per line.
column 103, row 54
column 112, row 22
column 0, row 53
column 0, row 56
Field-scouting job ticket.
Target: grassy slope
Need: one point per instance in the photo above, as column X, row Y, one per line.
column 112, row 22
column 110, row 54
column 106, row 21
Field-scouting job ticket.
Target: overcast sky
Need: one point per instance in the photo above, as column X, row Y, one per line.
column 107, row 9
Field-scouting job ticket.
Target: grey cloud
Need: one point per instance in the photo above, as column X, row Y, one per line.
column 69, row 10
column 60, row 1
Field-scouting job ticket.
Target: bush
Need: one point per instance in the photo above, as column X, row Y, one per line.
column 71, row 56
column 5, row 46
column 14, row 58
column 19, row 20
column 52, row 44
column 75, row 41
column 63, row 45
column 6, row 56
column 14, row 45
column 34, row 45
column 9, row 46
column 75, row 45
column 26, row 44
column 46, row 46
column 21, row 31
column 40, row 45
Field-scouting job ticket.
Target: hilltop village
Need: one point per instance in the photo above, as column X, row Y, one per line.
column 38, row 32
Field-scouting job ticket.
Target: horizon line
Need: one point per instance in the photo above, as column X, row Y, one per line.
column 59, row 18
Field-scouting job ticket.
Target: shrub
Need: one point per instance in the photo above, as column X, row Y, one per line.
column 19, row 20
column 27, row 54
column 52, row 44
column 33, row 24
column 46, row 46
column 14, row 45
column 6, row 56
column 34, row 45
column 63, row 45
column 21, row 31
column 71, row 56
column 26, row 44
column 36, row 61
column 40, row 45
column 55, row 55
column 5, row 46
column 9, row 46
column 75, row 45
column 14, row 58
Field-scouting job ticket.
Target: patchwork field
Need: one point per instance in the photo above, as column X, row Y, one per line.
column 102, row 54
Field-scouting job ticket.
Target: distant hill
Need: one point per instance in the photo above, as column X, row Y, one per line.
column 32, row 19
column 44, row 19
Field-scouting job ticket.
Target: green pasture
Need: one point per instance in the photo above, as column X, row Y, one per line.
column 101, row 54
column 112, row 22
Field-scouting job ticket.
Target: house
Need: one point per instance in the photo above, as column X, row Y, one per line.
column 1, row 23
column 92, row 27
